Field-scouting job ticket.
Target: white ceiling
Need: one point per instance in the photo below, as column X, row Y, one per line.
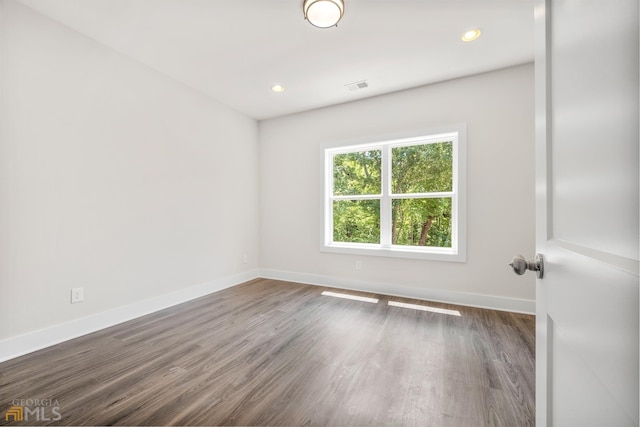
column 235, row 50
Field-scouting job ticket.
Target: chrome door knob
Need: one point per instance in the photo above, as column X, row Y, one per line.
column 520, row 265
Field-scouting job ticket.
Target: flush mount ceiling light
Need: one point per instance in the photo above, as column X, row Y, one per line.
column 277, row 88
column 471, row 35
column 323, row 13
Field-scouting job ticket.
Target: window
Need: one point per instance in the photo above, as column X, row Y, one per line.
column 401, row 198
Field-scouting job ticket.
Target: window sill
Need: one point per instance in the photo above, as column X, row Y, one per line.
column 432, row 254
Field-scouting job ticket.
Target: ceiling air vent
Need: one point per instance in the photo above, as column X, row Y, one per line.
column 357, row 85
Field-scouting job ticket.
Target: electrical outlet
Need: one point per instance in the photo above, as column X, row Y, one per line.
column 245, row 259
column 358, row 265
column 77, row 295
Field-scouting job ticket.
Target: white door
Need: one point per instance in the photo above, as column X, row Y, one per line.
column 587, row 112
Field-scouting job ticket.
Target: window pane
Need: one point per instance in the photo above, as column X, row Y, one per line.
column 357, row 173
column 422, row 168
column 356, row 221
column 422, row 222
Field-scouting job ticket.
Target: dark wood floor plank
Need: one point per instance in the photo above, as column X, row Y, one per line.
column 277, row 353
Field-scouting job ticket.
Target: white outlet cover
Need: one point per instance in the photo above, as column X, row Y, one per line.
column 77, row 295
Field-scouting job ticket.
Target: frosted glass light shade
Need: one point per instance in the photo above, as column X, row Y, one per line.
column 323, row 13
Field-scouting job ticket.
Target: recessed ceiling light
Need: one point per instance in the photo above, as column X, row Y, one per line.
column 277, row 88
column 471, row 35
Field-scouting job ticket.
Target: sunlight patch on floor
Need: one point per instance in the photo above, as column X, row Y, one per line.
column 348, row 296
column 425, row 308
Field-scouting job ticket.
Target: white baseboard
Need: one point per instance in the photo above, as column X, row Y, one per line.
column 513, row 305
column 22, row 344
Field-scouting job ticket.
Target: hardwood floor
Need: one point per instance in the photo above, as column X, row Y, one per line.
column 277, row 353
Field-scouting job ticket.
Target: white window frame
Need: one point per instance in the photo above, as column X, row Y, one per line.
column 457, row 252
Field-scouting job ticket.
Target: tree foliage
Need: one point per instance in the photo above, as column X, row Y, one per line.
column 416, row 221
column 357, row 173
column 423, row 168
column 356, row 221
column 426, row 168
column 422, row 222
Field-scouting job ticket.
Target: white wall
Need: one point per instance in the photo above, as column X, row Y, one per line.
column 114, row 178
column 498, row 110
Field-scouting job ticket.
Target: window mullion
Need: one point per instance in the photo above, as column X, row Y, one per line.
column 385, row 202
